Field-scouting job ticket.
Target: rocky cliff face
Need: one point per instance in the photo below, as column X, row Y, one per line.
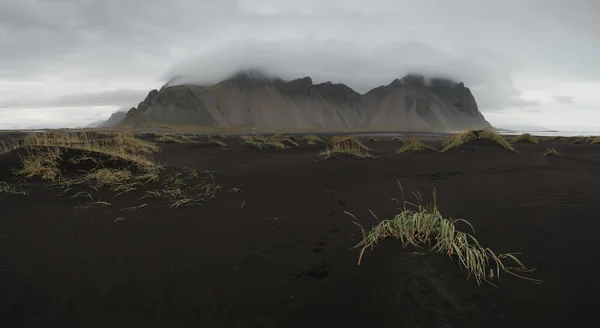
column 113, row 120
column 255, row 100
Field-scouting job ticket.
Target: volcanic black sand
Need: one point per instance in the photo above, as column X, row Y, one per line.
column 277, row 254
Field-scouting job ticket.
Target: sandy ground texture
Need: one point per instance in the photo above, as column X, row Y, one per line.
column 277, row 252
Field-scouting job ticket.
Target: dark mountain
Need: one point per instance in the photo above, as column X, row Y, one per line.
column 113, row 120
column 253, row 99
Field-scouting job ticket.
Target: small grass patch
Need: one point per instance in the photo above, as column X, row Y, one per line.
column 374, row 139
column 343, row 146
column 555, row 138
column 217, row 142
column 525, row 137
column 41, row 163
column 187, row 188
column 262, row 142
column 551, row 151
column 594, row 140
column 8, row 189
column 414, row 145
column 460, row 139
column 424, row 226
column 398, row 139
column 580, row 140
column 313, row 140
column 172, row 138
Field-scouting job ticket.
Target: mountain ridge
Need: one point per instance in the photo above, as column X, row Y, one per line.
column 252, row 99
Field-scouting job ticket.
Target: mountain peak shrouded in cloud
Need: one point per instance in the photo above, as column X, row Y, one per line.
column 253, row 98
column 59, row 57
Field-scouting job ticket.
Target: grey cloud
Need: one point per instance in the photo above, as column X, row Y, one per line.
column 124, row 98
column 127, row 44
column 359, row 66
column 564, row 99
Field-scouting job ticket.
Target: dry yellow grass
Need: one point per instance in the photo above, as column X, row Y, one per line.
column 525, row 137
column 414, row 145
column 313, row 140
column 460, row 139
column 342, row 146
column 122, row 146
column 551, row 151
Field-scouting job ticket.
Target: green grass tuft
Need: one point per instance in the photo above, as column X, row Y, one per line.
column 172, row 138
column 217, row 142
column 313, row 140
column 425, row 226
column 8, row 189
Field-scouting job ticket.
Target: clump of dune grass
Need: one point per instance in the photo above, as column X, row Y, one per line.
column 217, row 142
column 288, row 138
column 8, row 189
column 414, row 145
column 40, row 163
column 8, row 145
column 313, row 140
column 580, row 140
column 551, row 151
column 172, row 138
column 460, row 139
column 594, row 140
column 424, row 226
column 262, row 142
column 122, row 146
column 187, row 188
column 555, row 138
column 343, row 146
column 398, row 139
column 525, row 137
column 374, row 139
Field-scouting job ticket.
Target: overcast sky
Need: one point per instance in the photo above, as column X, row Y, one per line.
column 72, row 62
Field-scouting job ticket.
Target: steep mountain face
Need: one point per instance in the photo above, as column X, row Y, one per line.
column 254, row 100
column 113, row 120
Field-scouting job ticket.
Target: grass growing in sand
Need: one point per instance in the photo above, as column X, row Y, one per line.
column 8, row 145
column 187, row 188
column 557, row 138
column 594, row 140
column 343, row 146
column 460, row 139
column 374, row 139
column 580, row 140
column 414, row 145
column 313, row 140
column 398, row 139
column 425, row 226
column 8, row 189
column 551, row 151
column 120, row 146
column 81, row 164
column 217, row 142
column 277, row 141
column 525, row 137
column 172, row 138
